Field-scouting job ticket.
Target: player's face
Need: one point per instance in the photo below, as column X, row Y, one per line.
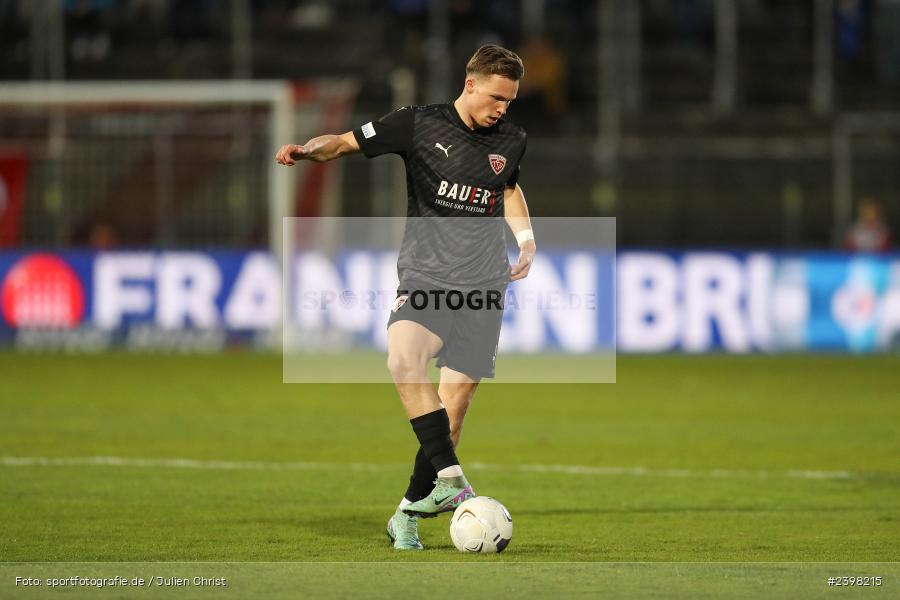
column 489, row 98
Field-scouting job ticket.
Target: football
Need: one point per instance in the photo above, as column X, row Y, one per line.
column 481, row 524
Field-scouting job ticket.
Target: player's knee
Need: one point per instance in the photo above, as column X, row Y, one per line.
column 406, row 367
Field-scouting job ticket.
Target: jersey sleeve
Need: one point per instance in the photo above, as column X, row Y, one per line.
column 391, row 134
column 514, row 176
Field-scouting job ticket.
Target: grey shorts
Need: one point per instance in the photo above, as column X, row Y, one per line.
column 468, row 322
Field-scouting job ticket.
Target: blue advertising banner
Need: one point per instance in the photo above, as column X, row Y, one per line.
column 702, row 301
column 573, row 301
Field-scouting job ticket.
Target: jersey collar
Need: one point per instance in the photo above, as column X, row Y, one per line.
column 454, row 116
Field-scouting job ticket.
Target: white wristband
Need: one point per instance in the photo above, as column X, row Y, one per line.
column 524, row 235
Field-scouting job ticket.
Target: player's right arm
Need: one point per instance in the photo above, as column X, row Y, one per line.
column 391, row 134
column 318, row 149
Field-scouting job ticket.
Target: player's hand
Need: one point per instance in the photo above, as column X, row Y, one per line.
column 289, row 153
column 526, row 257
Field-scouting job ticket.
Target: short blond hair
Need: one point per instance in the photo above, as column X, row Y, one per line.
column 496, row 60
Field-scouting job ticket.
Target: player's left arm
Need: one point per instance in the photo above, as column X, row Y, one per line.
column 516, row 214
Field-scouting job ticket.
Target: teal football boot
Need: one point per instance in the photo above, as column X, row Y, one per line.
column 445, row 497
column 403, row 531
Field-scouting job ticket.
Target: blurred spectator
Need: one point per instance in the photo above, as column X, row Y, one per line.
column 850, row 27
column 103, row 236
column 870, row 232
column 544, row 85
column 410, row 7
column 853, row 41
column 313, row 14
column 405, row 36
column 684, row 21
column 886, row 19
column 687, row 17
column 87, row 24
column 11, row 21
column 195, row 19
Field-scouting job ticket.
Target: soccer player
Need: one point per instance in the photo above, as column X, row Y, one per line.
column 462, row 169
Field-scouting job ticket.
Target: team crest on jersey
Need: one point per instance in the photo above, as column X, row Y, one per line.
column 497, row 162
column 400, row 301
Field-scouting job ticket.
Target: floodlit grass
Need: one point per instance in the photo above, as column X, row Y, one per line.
column 740, row 459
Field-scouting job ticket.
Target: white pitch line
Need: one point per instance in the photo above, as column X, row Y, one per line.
column 223, row 465
column 676, row 473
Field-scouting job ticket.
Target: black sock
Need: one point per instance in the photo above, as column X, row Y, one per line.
column 422, row 479
column 433, row 431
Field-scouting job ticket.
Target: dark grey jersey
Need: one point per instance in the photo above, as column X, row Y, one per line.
column 453, row 173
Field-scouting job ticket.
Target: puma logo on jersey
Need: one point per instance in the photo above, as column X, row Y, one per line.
column 446, row 150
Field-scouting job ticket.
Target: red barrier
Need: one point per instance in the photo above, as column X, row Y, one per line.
column 13, row 173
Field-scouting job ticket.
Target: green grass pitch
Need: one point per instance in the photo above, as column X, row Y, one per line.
column 715, row 459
